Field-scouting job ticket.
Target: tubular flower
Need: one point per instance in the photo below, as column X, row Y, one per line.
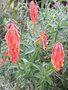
column 57, row 57
column 42, row 38
column 33, row 12
column 13, row 41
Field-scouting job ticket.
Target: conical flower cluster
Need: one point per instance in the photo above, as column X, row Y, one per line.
column 33, row 12
column 57, row 58
column 42, row 38
column 13, row 41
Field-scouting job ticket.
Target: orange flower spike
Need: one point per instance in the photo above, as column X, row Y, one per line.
column 57, row 57
column 42, row 38
column 13, row 42
column 33, row 12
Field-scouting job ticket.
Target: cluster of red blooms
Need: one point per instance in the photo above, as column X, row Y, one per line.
column 12, row 39
column 42, row 38
column 57, row 51
column 33, row 12
column 13, row 42
column 57, row 58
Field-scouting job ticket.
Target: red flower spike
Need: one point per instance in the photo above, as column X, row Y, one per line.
column 33, row 12
column 57, row 57
column 42, row 39
column 13, row 41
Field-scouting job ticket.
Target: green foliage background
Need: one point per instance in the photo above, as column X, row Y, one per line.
column 34, row 70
